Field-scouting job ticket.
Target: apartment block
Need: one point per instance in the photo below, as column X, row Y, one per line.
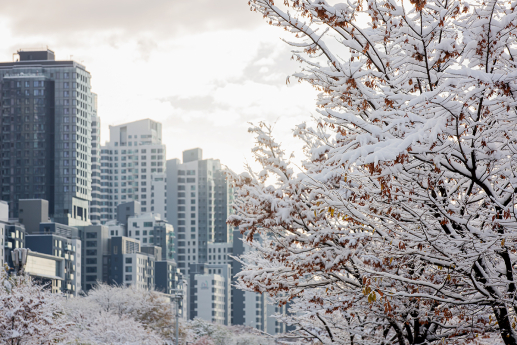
column 95, row 255
column 198, row 199
column 45, row 131
column 209, row 294
column 133, row 168
column 151, row 229
column 14, row 238
column 129, row 265
column 46, row 269
column 60, row 241
column 167, row 276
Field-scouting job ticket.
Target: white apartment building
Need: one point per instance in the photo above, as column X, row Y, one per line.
column 151, row 229
column 211, row 297
column 132, row 167
column 115, row 228
column 198, row 201
column 137, row 269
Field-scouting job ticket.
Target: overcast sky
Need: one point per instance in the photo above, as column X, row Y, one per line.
column 204, row 68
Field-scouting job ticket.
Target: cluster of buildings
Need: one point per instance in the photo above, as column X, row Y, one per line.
column 118, row 212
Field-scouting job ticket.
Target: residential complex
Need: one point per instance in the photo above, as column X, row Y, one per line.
column 119, row 212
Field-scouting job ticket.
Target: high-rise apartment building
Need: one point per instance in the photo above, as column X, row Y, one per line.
column 45, row 132
column 133, row 168
column 198, row 199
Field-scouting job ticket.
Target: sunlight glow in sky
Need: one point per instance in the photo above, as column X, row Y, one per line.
column 203, row 68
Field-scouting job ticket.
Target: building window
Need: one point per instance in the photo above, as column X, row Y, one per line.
column 129, row 277
column 129, row 260
column 148, row 224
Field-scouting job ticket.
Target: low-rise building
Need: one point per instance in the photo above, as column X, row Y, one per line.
column 64, row 245
column 47, row 269
column 169, row 280
column 209, row 295
column 95, row 255
column 210, row 299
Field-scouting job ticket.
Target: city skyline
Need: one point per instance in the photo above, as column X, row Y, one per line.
column 204, row 82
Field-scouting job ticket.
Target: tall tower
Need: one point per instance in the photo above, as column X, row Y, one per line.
column 198, row 199
column 47, row 110
column 132, row 167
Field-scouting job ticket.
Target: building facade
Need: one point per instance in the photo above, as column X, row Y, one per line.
column 45, row 131
column 198, row 199
column 61, row 242
column 133, row 168
column 96, row 204
column 151, row 229
column 4, row 223
column 208, row 294
column 95, row 255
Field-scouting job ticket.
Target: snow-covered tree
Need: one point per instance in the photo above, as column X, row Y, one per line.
column 151, row 308
column 401, row 227
column 201, row 332
column 93, row 325
column 218, row 334
column 29, row 313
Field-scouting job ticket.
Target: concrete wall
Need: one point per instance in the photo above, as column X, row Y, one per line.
column 32, row 212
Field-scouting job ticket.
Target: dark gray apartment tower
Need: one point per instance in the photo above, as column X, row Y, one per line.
column 167, row 276
column 27, row 137
column 45, row 131
column 197, row 201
